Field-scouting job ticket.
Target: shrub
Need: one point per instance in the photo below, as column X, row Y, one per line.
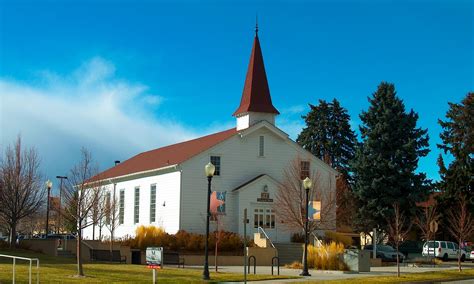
column 294, row 265
column 326, row 257
column 147, row 236
column 331, row 236
column 297, row 238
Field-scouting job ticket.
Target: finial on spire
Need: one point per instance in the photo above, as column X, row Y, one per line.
column 256, row 24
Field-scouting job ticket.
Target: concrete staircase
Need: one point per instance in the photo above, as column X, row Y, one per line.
column 289, row 252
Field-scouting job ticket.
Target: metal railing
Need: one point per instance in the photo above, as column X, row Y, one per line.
column 266, row 236
column 23, row 258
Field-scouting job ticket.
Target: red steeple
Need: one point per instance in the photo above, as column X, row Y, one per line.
column 256, row 95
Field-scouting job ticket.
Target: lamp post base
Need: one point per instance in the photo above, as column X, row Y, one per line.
column 205, row 275
column 305, row 273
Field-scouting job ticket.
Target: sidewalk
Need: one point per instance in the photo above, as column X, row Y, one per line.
column 337, row 275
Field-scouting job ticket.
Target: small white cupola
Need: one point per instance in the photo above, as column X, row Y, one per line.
column 256, row 103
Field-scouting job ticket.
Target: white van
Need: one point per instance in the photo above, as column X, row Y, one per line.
column 443, row 249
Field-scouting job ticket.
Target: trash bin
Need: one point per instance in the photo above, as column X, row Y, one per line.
column 357, row 260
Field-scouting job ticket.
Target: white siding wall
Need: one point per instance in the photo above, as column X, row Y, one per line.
column 240, row 162
column 249, row 119
column 167, row 192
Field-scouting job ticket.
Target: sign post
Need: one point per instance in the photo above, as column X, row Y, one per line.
column 433, row 229
column 154, row 259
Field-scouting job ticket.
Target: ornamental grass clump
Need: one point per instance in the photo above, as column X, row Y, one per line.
column 327, row 257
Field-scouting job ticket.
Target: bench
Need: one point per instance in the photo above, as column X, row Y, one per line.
column 104, row 255
column 173, row 258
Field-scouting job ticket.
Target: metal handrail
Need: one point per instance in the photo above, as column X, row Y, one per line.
column 29, row 271
column 314, row 243
column 266, row 236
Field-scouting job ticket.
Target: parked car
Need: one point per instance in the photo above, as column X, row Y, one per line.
column 411, row 247
column 472, row 256
column 386, row 253
column 444, row 250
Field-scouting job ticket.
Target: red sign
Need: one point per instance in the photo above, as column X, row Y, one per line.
column 154, row 266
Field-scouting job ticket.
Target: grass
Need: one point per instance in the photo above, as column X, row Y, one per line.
column 62, row 270
column 432, row 276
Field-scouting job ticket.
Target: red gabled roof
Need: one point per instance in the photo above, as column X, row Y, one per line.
column 166, row 156
column 256, row 95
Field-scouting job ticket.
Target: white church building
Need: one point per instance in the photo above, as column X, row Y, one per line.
column 167, row 187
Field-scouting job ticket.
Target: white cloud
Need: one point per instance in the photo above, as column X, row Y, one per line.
column 89, row 107
column 296, row 109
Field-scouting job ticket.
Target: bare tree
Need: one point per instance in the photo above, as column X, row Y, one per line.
column 218, row 234
column 22, row 192
column 112, row 216
column 85, row 189
column 423, row 220
column 290, row 203
column 398, row 228
column 460, row 223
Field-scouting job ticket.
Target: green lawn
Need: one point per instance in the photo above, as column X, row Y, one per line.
column 61, row 270
column 435, row 276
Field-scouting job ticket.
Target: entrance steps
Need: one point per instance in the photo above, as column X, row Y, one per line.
column 289, row 252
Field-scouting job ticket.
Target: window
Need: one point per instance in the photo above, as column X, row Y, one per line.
column 261, row 149
column 304, row 169
column 450, row 245
column 443, row 245
column 136, row 211
column 107, row 209
column 121, row 206
column 264, row 218
column 216, row 161
column 152, row 203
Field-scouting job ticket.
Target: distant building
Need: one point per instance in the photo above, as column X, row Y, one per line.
column 167, row 187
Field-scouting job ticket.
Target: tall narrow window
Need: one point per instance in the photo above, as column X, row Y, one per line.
column 122, row 206
column 216, row 161
column 261, row 148
column 136, row 211
column 152, row 203
column 304, row 169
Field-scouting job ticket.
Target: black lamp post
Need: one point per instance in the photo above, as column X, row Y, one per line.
column 49, row 184
column 60, row 200
column 307, row 185
column 209, row 169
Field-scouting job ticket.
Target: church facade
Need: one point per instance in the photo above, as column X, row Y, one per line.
column 167, row 187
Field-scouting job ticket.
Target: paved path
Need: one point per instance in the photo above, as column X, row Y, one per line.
column 335, row 275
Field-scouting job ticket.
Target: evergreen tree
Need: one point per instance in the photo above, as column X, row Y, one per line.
column 458, row 142
column 385, row 163
column 328, row 135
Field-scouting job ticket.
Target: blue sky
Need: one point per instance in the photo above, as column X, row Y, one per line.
column 121, row 77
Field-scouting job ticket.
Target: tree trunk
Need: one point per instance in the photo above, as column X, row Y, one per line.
column 80, row 271
column 398, row 263
column 215, row 256
column 111, row 245
column 12, row 234
column 459, row 257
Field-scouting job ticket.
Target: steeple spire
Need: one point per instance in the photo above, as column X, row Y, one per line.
column 256, row 102
column 256, row 25
column 256, row 95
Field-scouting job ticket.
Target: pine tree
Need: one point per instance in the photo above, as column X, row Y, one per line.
column 458, row 142
column 328, row 135
column 385, row 163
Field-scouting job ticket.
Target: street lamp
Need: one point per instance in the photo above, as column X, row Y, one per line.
column 60, row 200
column 49, row 184
column 307, row 183
column 209, row 170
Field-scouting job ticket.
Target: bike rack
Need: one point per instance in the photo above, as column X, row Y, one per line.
column 254, row 264
column 277, row 264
